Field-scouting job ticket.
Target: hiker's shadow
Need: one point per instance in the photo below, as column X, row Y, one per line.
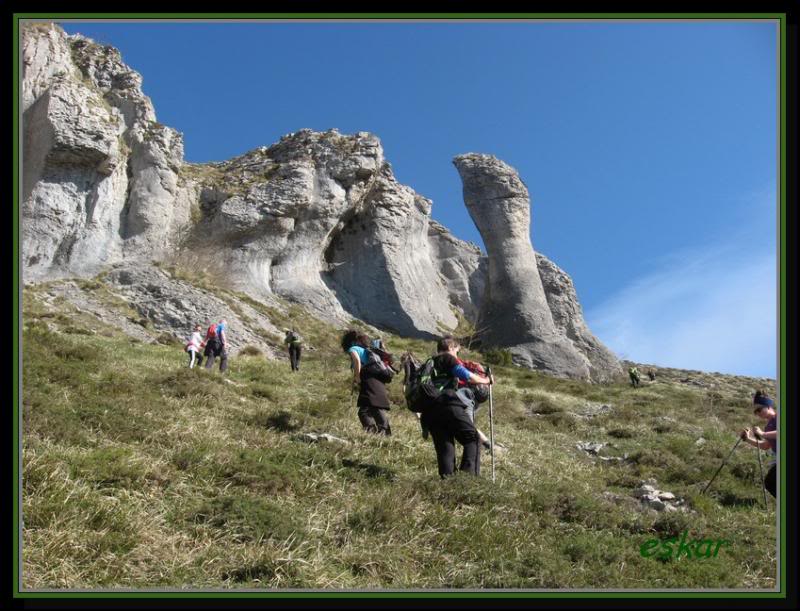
column 370, row 470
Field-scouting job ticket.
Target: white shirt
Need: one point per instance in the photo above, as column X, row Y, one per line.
column 194, row 342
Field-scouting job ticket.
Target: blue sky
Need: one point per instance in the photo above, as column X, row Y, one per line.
column 649, row 148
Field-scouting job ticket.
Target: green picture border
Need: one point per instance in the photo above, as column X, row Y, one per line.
column 313, row 594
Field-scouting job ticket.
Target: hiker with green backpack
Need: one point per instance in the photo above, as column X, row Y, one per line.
column 294, row 344
column 434, row 392
column 370, row 374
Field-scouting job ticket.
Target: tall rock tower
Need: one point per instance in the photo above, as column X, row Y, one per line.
column 515, row 312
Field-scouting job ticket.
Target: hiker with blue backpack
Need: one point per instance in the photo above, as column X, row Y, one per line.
column 217, row 345
column 370, row 374
column 446, row 410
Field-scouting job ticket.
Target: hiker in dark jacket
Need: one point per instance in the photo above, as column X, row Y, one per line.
column 217, row 345
column 766, row 439
column 373, row 400
column 448, row 420
column 294, row 343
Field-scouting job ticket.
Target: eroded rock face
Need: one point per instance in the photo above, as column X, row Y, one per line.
column 174, row 306
column 515, row 312
column 462, row 267
column 100, row 176
column 568, row 319
column 317, row 218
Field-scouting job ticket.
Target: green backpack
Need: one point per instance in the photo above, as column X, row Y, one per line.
column 425, row 385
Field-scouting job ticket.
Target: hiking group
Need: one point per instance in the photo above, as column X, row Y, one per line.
column 214, row 344
column 444, row 391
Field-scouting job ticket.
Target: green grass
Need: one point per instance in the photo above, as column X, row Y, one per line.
column 138, row 472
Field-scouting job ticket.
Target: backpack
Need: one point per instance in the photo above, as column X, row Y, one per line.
column 295, row 339
column 386, row 357
column 376, row 367
column 425, row 385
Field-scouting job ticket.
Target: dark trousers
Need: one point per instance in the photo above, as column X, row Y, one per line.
column 769, row 481
column 214, row 350
column 634, row 381
column 374, row 419
column 447, row 424
column 294, row 357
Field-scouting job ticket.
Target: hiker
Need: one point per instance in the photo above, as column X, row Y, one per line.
column 217, row 345
column 294, row 343
column 447, row 419
column 480, row 395
column 377, row 344
column 634, row 374
column 373, row 400
column 194, row 346
column 651, row 374
column 410, row 363
column 766, row 439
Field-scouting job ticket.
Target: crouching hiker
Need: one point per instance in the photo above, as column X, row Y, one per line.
column 194, row 346
column 766, row 439
column 447, row 417
column 369, row 378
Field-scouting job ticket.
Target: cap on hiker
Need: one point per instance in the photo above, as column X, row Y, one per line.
column 763, row 401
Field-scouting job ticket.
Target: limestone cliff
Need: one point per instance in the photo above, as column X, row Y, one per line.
column 317, row 218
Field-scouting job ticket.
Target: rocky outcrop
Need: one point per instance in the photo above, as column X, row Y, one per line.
column 317, row 218
column 462, row 267
column 100, row 176
column 515, row 312
column 173, row 306
column 568, row 319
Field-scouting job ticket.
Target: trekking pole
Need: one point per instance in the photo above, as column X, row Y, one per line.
column 761, row 471
column 738, row 441
column 491, row 422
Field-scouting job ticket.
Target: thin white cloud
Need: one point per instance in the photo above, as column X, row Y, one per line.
column 712, row 309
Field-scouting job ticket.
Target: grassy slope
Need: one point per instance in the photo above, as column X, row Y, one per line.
column 138, row 473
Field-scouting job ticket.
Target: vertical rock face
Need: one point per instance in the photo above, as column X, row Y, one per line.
column 100, row 176
column 462, row 267
column 515, row 312
column 319, row 219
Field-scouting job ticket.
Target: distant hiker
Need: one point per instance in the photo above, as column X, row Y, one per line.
column 447, row 418
column 766, row 439
column 634, row 374
column 194, row 346
column 373, row 400
column 651, row 374
column 377, row 344
column 217, row 345
column 294, row 343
